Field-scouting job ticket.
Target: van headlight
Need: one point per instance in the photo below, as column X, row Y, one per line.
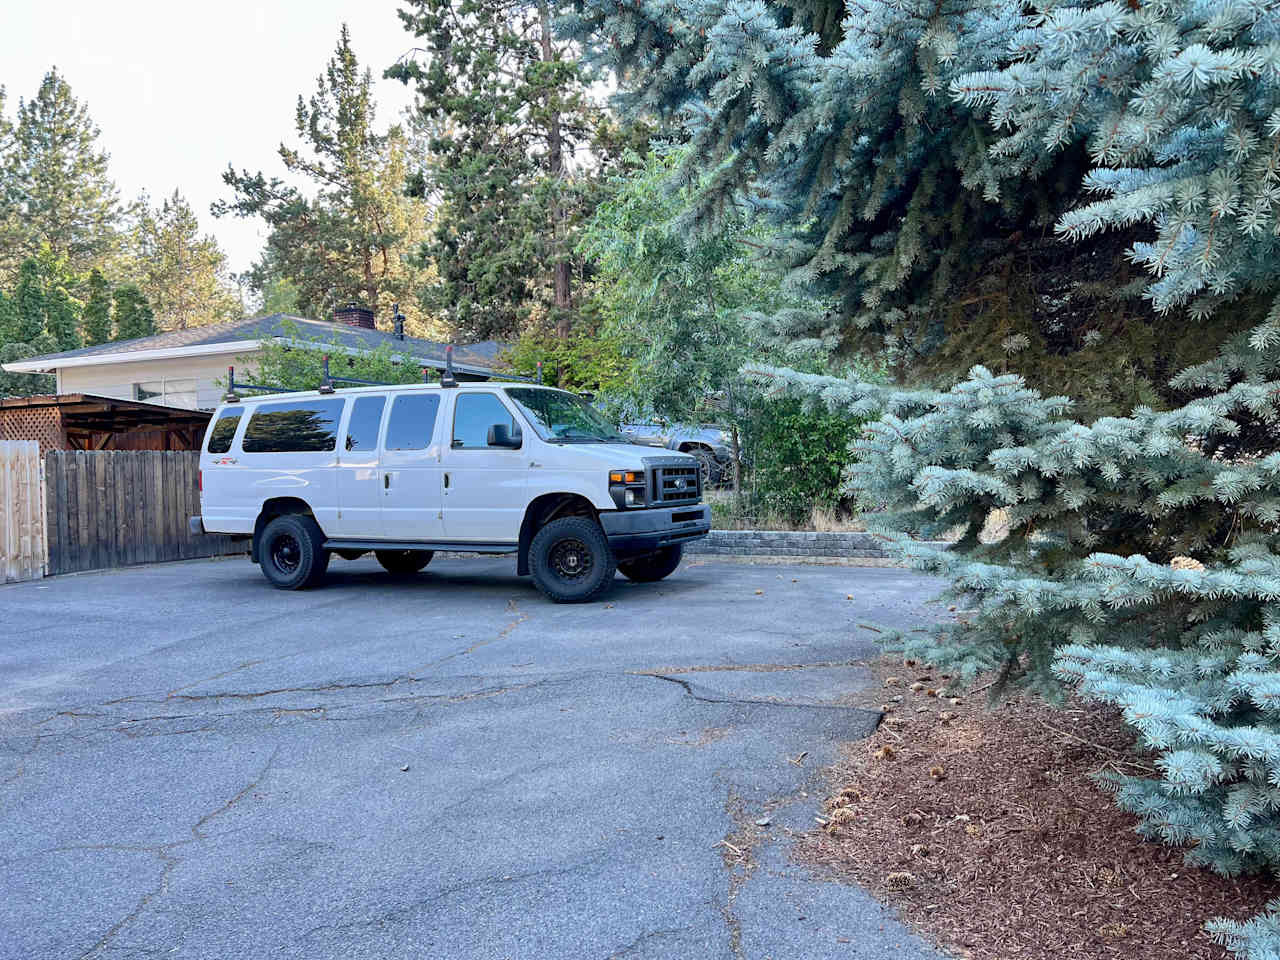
column 627, row 487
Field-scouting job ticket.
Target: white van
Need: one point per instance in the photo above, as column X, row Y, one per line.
column 405, row 471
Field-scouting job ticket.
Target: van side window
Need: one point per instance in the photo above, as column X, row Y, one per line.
column 413, row 421
column 224, row 428
column 473, row 415
column 305, row 426
column 366, row 417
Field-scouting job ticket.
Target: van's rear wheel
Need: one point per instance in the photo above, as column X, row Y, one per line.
column 291, row 552
column 571, row 560
column 654, row 567
column 403, row 561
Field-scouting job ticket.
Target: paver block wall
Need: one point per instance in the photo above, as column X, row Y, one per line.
column 788, row 543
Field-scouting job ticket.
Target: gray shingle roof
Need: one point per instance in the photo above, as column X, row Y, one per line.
column 478, row 355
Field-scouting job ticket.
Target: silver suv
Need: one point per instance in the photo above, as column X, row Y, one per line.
column 709, row 443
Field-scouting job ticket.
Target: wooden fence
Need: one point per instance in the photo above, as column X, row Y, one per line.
column 113, row 509
column 23, row 546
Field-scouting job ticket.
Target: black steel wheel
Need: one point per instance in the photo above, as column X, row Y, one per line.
column 291, row 552
column 654, row 567
column 571, row 560
column 403, row 561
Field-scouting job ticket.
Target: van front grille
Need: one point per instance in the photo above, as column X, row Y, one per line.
column 676, row 484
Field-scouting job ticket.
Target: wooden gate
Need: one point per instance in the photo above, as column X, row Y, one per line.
column 114, row 509
column 23, row 547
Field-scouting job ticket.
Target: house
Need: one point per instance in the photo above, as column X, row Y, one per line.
column 187, row 369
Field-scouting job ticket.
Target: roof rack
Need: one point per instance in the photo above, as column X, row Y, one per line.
column 231, row 396
column 328, row 380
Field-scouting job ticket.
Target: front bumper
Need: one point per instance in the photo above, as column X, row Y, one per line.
column 637, row 532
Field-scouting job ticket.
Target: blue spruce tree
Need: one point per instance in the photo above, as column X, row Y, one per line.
column 914, row 151
column 838, row 121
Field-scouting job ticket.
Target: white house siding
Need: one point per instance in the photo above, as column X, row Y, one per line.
column 119, row 380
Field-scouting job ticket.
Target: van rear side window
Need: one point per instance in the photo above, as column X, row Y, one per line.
column 224, row 428
column 413, row 421
column 307, row 426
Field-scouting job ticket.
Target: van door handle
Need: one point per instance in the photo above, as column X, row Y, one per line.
column 386, row 481
column 446, row 481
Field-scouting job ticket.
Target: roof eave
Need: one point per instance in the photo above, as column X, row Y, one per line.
column 49, row 364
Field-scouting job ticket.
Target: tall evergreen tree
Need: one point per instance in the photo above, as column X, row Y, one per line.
column 62, row 318
column 511, row 123
column 351, row 239
column 132, row 313
column 97, row 310
column 29, row 302
column 8, row 318
column 54, row 184
column 183, row 273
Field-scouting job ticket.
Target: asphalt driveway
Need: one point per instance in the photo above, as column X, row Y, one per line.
column 195, row 765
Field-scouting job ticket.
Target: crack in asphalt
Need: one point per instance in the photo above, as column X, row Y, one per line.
column 217, row 676
column 161, row 888
column 748, row 667
column 162, row 851
column 711, row 696
column 126, row 724
column 244, row 792
column 408, row 911
column 512, row 607
column 644, row 937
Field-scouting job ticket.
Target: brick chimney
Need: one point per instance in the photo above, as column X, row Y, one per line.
column 354, row 315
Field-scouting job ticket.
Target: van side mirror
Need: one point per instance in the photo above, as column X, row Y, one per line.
column 501, row 435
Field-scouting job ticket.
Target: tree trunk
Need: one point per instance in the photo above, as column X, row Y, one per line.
column 562, row 275
column 737, row 470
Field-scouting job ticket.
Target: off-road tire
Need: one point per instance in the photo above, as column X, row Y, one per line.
column 403, row 561
column 567, row 545
column 654, row 567
column 712, row 475
column 291, row 552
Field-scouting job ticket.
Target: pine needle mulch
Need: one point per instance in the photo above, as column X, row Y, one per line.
column 981, row 826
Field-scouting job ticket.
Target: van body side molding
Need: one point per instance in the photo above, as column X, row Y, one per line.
column 456, row 546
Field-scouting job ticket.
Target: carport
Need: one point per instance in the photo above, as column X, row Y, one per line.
column 83, row 421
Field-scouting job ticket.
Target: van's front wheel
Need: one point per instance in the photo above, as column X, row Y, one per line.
column 571, row 560
column 291, row 552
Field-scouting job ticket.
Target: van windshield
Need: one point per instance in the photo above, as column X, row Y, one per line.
column 563, row 417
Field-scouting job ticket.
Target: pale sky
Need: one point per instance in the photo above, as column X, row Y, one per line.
column 179, row 90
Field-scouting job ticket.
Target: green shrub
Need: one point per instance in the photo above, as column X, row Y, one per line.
column 798, row 456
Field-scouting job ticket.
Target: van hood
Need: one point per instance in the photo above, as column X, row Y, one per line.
column 621, row 456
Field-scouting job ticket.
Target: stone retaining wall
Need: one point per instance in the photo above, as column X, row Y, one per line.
column 787, row 543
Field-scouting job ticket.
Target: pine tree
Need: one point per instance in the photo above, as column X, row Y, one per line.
column 8, row 318
column 350, row 240
column 183, row 274
column 133, row 314
column 97, row 310
column 511, row 127
column 29, row 302
column 55, row 189
column 62, row 318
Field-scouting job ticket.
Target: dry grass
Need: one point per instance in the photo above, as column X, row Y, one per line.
column 821, row 519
